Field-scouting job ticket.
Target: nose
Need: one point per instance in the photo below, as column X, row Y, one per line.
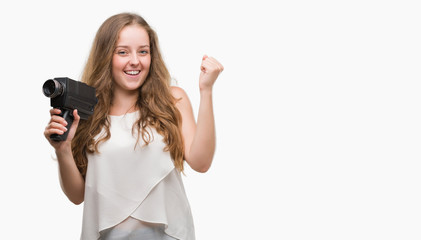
column 134, row 59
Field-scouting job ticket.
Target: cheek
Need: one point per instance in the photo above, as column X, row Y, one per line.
column 117, row 66
column 148, row 63
column 116, row 62
column 114, row 65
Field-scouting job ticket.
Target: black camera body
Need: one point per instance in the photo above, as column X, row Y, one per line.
column 67, row 95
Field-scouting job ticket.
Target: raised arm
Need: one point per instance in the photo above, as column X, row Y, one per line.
column 200, row 139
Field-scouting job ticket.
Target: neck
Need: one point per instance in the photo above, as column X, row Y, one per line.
column 124, row 102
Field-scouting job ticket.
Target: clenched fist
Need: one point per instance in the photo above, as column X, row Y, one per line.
column 210, row 70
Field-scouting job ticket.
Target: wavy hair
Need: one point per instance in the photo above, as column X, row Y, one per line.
column 155, row 102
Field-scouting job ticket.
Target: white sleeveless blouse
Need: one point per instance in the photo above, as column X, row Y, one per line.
column 125, row 184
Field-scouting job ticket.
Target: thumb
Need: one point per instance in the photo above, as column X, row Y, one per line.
column 76, row 118
column 202, row 67
column 72, row 130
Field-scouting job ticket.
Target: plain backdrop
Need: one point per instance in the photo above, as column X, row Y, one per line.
column 317, row 114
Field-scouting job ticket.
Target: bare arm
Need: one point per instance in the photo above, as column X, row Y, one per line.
column 71, row 181
column 200, row 139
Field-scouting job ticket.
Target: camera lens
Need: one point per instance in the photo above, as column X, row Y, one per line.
column 52, row 88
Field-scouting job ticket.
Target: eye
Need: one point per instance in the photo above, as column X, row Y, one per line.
column 143, row 52
column 121, row 52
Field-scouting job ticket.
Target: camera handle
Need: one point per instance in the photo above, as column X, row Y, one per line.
column 67, row 114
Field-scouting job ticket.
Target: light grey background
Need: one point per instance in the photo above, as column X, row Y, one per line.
column 317, row 113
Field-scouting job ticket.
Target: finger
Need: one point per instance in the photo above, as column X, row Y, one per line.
column 58, row 119
column 216, row 63
column 220, row 67
column 211, row 66
column 212, row 61
column 49, row 132
column 55, row 111
column 56, row 126
column 59, row 126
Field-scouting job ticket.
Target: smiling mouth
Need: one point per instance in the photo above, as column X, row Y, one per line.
column 132, row 73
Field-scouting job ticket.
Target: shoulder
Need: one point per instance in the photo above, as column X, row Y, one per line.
column 178, row 92
column 180, row 95
column 181, row 98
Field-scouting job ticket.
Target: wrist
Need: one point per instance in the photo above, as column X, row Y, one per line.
column 63, row 150
column 206, row 91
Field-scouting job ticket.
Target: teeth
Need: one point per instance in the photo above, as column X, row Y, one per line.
column 132, row 72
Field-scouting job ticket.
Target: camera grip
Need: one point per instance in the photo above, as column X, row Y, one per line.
column 68, row 116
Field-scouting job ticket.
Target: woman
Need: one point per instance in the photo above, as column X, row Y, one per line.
column 125, row 161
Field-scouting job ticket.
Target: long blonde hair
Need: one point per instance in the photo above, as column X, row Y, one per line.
column 155, row 102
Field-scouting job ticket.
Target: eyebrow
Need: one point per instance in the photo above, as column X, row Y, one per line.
column 124, row 46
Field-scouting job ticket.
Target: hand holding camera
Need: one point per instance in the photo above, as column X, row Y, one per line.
column 58, row 126
column 66, row 96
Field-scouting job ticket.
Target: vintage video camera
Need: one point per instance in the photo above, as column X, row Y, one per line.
column 67, row 95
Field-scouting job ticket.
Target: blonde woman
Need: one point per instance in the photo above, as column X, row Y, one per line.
column 125, row 161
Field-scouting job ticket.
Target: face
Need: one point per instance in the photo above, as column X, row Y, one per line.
column 131, row 59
